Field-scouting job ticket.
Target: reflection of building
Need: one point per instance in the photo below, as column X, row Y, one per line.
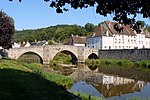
column 116, row 86
column 115, row 80
column 118, row 90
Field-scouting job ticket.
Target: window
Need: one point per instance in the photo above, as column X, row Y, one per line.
column 105, row 47
column 116, row 47
column 131, row 41
column 115, row 40
column 122, row 40
column 119, row 47
column 119, row 40
column 128, row 40
column 134, row 41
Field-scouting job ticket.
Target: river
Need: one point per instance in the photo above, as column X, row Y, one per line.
column 111, row 83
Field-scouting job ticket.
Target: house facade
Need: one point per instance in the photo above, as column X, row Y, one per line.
column 106, row 37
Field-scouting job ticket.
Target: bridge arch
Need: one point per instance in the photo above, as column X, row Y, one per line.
column 30, row 56
column 72, row 54
column 93, row 56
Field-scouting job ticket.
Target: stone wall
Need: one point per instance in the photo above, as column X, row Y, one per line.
column 131, row 54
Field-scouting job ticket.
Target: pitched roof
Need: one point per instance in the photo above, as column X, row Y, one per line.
column 108, row 29
column 79, row 39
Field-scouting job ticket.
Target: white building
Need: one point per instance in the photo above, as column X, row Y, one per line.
column 106, row 37
column 16, row 45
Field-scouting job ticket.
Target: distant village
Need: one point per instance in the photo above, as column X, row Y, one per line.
column 105, row 37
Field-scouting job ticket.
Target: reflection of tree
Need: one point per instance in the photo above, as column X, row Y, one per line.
column 93, row 67
column 129, row 73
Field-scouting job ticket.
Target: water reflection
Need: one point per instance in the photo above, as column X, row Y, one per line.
column 109, row 83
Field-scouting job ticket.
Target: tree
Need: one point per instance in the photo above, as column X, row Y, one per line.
column 89, row 27
column 6, row 30
column 141, row 23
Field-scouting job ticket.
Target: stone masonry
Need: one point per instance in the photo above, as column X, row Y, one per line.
column 48, row 52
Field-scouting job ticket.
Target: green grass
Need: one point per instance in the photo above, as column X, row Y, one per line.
column 18, row 82
column 12, row 64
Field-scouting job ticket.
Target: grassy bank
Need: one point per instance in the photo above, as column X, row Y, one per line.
column 118, row 63
column 27, row 82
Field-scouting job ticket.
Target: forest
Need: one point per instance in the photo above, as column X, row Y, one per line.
column 58, row 33
column 55, row 33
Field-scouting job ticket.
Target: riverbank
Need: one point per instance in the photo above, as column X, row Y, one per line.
column 144, row 64
column 27, row 82
column 30, row 82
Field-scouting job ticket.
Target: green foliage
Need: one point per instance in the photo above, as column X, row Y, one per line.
column 50, row 42
column 54, row 65
column 56, row 33
column 59, row 79
column 109, row 62
column 11, row 64
column 143, row 63
column 142, row 23
column 63, row 58
column 118, row 63
column 89, row 27
column 6, row 30
column 35, row 67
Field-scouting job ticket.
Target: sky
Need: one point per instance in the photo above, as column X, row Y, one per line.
column 34, row 14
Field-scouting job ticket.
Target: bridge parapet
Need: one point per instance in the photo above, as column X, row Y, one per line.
column 48, row 52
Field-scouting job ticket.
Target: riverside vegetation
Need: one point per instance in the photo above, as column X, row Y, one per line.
column 144, row 64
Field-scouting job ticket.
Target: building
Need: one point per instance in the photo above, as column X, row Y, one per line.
column 16, row 45
column 77, row 40
column 39, row 43
column 106, row 37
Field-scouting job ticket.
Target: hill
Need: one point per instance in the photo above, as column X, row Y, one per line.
column 56, row 33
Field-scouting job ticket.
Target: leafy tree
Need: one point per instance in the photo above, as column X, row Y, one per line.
column 100, row 23
column 89, row 27
column 6, row 30
column 56, row 33
column 141, row 23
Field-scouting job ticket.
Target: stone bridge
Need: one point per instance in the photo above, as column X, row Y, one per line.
column 47, row 52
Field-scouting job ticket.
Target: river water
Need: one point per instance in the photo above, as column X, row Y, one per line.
column 111, row 83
